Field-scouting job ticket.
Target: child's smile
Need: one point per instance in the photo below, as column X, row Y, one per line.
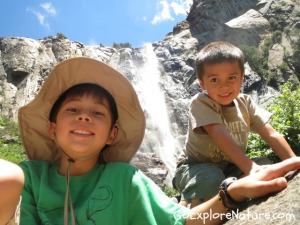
column 222, row 81
column 83, row 126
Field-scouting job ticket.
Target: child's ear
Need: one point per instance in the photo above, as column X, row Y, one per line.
column 51, row 130
column 243, row 74
column 201, row 84
column 112, row 136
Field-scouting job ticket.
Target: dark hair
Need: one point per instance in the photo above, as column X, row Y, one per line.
column 217, row 52
column 80, row 90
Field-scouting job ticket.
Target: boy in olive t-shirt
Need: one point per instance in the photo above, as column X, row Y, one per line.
column 220, row 120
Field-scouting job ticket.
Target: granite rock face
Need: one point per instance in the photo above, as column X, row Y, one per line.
column 281, row 208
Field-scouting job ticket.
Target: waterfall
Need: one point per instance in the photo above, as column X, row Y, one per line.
column 158, row 136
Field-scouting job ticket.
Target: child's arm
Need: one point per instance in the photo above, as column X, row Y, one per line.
column 276, row 141
column 223, row 139
column 11, row 184
column 256, row 185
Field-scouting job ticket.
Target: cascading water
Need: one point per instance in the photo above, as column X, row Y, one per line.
column 158, row 136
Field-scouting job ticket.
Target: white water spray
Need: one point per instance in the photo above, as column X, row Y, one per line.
column 158, row 137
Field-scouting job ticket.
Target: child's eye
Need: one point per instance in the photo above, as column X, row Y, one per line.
column 97, row 113
column 214, row 80
column 72, row 110
column 232, row 78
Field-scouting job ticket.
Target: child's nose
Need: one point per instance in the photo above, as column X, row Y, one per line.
column 84, row 117
column 224, row 85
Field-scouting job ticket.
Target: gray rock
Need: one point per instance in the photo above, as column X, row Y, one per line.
column 281, row 208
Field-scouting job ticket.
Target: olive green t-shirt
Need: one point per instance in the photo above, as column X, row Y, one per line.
column 110, row 194
column 241, row 119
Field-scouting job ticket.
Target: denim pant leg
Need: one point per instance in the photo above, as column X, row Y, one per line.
column 198, row 180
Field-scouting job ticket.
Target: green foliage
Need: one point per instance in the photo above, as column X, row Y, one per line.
column 283, row 67
column 121, row 45
column 296, row 41
column 61, row 36
column 41, row 50
column 286, row 120
column 171, row 192
column 277, row 36
column 274, row 24
column 12, row 152
column 268, row 42
column 287, row 31
column 11, row 147
column 9, row 127
column 256, row 58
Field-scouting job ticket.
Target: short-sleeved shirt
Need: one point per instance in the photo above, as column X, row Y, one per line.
column 241, row 119
column 110, row 194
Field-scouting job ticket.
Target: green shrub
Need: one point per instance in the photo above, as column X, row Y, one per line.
column 257, row 59
column 11, row 147
column 252, row 55
column 274, row 24
column 41, row 50
column 9, row 127
column 171, row 192
column 277, row 36
column 121, row 45
column 12, row 152
column 61, row 36
column 286, row 120
column 283, row 67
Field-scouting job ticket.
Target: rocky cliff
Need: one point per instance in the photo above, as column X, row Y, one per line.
column 163, row 72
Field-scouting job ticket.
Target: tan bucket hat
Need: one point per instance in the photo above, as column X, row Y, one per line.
column 34, row 117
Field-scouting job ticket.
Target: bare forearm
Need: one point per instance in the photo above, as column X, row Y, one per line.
column 276, row 141
column 280, row 146
column 11, row 184
column 225, row 142
column 211, row 212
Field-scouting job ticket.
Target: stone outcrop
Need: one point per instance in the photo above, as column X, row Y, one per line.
column 280, row 208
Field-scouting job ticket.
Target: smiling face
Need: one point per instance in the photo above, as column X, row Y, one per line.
column 84, row 126
column 82, row 121
column 222, row 81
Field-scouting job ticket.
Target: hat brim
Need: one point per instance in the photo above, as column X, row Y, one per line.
column 34, row 117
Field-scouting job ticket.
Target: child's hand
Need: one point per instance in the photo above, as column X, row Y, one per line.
column 256, row 168
column 267, row 180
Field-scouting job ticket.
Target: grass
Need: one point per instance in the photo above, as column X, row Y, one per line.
column 11, row 148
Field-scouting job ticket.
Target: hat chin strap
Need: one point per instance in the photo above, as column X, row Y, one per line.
column 68, row 199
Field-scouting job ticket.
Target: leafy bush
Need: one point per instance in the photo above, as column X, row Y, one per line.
column 61, row 36
column 11, row 147
column 285, row 119
column 12, row 152
column 257, row 59
column 8, row 127
column 121, row 45
column 277, row 36
column 274, row 24
column 171, row 192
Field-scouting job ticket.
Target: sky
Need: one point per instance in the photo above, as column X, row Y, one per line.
column 93, row 22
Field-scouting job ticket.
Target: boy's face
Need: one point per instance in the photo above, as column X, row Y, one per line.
column 83, row 126
column 222, row 81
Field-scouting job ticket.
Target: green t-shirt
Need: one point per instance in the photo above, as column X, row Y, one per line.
column 110, row 194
